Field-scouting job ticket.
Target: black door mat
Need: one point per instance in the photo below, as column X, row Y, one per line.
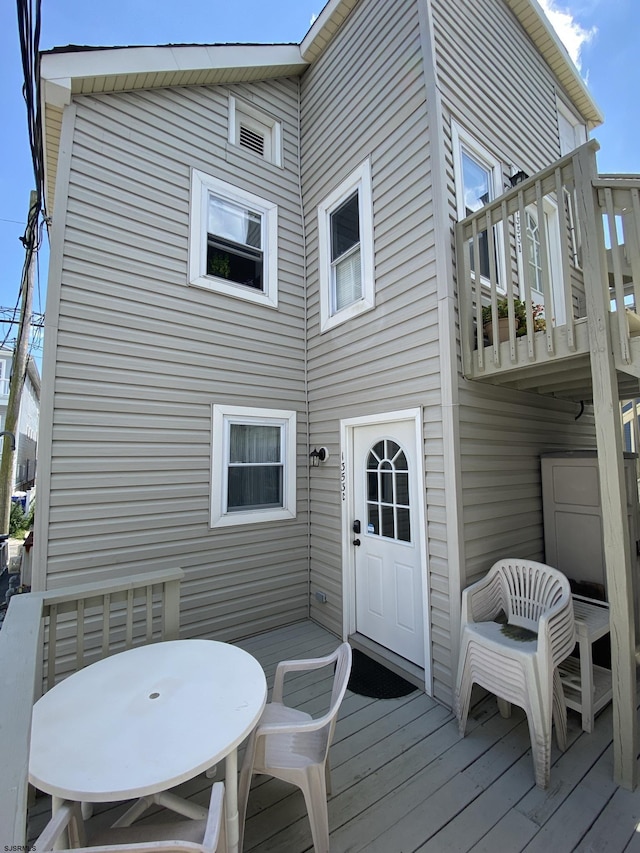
column 369, row 678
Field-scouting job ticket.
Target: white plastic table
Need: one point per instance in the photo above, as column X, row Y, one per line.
column 587, row 687
column 144, row 720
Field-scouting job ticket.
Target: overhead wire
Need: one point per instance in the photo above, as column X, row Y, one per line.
column 29, row 25
column 11, row 322
column 29, row 22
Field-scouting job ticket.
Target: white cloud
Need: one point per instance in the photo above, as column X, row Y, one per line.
column 572, row 34
column 314, row 18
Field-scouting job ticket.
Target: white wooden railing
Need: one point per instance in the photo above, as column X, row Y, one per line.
column 562, row 197
column 47, row 635
column 619, row 201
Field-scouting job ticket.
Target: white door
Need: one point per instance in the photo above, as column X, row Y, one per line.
column 531, row 245
column 386, row 538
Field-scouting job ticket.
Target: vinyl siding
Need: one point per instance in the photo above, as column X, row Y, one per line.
column 365, row 97
column 141, row 357
column 494, row 82
column 502, row 434
column 497, row 87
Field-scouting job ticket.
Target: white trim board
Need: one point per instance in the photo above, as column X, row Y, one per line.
column 347, row 425
column 120, row 63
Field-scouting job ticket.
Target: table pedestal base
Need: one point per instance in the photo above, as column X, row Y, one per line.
column 192, row 810
column 168, row 801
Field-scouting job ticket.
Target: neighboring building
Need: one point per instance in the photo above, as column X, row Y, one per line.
column 253, row 258
column 27, row 443
column 631, row 425
column 24, row 470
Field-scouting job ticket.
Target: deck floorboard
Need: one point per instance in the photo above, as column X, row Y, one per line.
column 404, row 781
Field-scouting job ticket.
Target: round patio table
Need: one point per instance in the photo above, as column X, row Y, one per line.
column 144, row 720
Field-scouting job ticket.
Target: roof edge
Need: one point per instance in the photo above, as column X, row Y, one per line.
column 61, row 68
column 534, row 21
column 325, row 27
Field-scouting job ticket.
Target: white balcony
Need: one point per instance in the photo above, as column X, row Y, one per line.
column 554, row 241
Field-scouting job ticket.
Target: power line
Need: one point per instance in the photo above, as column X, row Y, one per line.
column 29, row 18
column 37, row 321
column 14, row 313
column 29, row 35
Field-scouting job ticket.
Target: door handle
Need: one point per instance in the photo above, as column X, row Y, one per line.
column 356, row 541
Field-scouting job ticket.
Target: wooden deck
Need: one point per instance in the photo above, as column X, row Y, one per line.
column 403, row 780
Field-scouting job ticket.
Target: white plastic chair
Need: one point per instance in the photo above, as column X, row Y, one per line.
column 517, row 666
column 293, row 746
column 185, row 836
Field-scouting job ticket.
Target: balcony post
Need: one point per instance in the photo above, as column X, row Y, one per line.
column 617, row 550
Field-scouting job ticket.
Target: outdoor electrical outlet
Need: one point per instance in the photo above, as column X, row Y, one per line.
column 321, row 597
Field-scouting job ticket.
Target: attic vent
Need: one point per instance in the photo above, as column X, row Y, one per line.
column 252, row 140
column 255, row 131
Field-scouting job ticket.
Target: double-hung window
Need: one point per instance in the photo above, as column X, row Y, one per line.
column 478, row 177
column 345, row 229
column 4, row 381
column 572, row 133
column 233, row 241
column 253, row 465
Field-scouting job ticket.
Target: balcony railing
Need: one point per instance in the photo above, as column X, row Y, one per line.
column 535, row 243
column 619, row 202
column 47, row 635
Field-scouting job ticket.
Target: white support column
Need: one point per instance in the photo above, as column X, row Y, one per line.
column 610, row 465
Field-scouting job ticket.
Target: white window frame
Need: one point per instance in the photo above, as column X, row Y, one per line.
column 240, row 112
column 571, row 136
column 222, row 417
column 358, row 181
column 4, row 381
column 464, row 141
column 201, row 186
column 576, row 128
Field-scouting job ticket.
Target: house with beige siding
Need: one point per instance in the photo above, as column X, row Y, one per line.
column 26, row 438
column 265, row 359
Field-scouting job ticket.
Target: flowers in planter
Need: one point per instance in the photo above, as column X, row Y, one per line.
column 539, row 323
column 519, row 313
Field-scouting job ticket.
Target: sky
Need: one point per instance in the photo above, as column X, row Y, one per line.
column 602, row 36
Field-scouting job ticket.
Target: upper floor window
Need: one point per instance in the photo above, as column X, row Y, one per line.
column 345, row 231
column 478, row 178
column 253, row 465
column 233, row 241
column 255, row 131
column 4, row 379
column 571, row 131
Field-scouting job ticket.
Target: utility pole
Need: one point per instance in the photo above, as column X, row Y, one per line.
column 19, row 364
